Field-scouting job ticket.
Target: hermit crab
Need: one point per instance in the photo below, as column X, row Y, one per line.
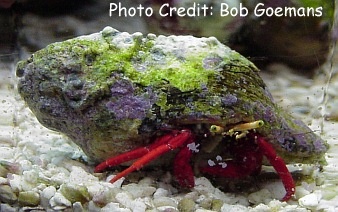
column 127, row 97
column 248, row 156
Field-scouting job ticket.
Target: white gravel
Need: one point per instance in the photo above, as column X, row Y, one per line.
column 41, row 169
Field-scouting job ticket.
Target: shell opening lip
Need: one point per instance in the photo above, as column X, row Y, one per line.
column 189, row 120
column 212, row 120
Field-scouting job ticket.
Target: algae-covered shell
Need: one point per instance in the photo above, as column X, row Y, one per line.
column 112, row 91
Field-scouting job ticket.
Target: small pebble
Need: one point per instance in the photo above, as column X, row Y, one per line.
column 161, row 192
column 146, row 181
column 30, row 176
column 204, row 202
column 59, row 178
column 15, row 182
column 164, row 201
column 7, row 208
column 203, row 210
column 186, row 205
column 193, row 195
column 216, row 204
column 310, row 201
column 28, row 198
column 138, row 205
column 105, row 196
column 137, row 190
column 165, row 209
column 203, row 186
column 59, row 200
column 233, row 208
column 6, row 153
column 114, row 207
column 301, row 192
column 124, row 198
column 78, row 175
column 276, row 205
column 3, row 181
column 7, row 195
column 117, row 183
column 77, row 207
column 46, row 195
column 260, row 196
column 75, row 192
column 261, row 208
column 92, row 207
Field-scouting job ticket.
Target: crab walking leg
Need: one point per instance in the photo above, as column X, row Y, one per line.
column 182, row 169
column 174, row 143
column 278, row 164
column 133, row 154
column 247, row 161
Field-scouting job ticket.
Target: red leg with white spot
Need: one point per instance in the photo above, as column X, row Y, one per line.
column 147, row 154
column 247, row 161
column 278, row 164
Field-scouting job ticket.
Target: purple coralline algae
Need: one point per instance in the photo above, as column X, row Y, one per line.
column 125, row 105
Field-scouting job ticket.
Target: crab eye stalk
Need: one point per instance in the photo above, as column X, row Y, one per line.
column 216, row 129
column 260, row 123
column 248, row 126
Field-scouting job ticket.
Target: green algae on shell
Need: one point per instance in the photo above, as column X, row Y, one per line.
column 112, row 91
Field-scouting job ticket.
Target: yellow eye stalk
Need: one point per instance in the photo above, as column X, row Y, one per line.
column 216, row 129
column 239, row 130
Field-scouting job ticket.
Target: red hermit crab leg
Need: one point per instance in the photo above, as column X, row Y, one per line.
column 182, row 169
column 133, row 154
column 247, row 161
column 176, row 142
column 264, row 148
column 278, row 164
